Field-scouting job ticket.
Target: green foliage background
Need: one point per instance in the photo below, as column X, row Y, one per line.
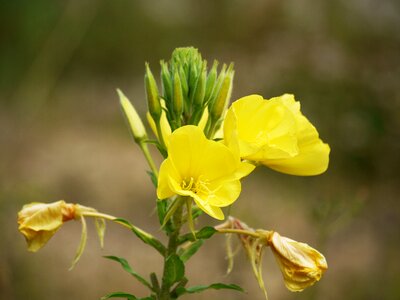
column 62, row 136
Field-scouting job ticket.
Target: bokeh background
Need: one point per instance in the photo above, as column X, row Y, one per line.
column 62, row 136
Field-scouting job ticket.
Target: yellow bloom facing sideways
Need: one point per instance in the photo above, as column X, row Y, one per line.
column 301, row 265
column 275, row 133
column 38, row 222
column 205, row 170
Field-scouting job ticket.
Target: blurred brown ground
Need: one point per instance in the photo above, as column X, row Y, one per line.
column 62, row 136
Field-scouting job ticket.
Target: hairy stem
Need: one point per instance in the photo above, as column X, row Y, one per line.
column 165, row 293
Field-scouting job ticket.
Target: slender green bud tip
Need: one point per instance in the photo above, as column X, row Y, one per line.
column 153, row 97
column 135, row 123
column 178, row 96
column 222, row 99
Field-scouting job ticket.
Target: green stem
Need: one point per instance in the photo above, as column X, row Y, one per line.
column 111, row 218
column 149, row 158
column 239, row 231
column 173, row 243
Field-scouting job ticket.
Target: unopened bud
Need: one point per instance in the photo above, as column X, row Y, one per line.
column 166, row 81
column 200, row 89
column 224, row 94
column 153, row 97
column 134, row 121
column 211, row 81
column 177, row 104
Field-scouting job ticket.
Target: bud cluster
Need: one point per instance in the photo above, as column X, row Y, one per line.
column 190, row 91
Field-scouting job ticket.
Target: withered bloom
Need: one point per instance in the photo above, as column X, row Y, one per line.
column 38, row 222
column 301, row 265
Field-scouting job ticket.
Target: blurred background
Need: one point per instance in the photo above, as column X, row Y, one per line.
column 62, row 136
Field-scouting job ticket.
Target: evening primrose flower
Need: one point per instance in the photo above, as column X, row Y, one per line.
column 275, row 133
column 301, row 265
column 38, row 222
column 207, row 171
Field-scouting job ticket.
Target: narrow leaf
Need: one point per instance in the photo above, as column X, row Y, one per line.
column 82, row 244
column 174, row 268
column 119, row 295
column 191, row 250
column 204, row 233
column 153, row 178
column 215, row 286
column 125, row 265
column 171, row 210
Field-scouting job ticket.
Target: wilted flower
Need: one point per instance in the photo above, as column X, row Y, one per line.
column 205, row 170
column 301, row 265
column 275, row 133
column 38, row 222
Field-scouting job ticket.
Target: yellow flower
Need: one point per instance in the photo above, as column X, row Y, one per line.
column 275, row 133
column 301, row 265
column 205, row 170
column 38, row 222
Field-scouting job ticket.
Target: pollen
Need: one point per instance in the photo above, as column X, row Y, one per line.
column 197, row 186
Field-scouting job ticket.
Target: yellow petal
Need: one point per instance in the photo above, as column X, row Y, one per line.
column 212, row 211
column 164, row 189
column 204, row 118
column 313, row 159
column 225, row 194
column 275, row 133
column 205, row 170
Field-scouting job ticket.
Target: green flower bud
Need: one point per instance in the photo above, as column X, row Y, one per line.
column 200, row 89
column 135, row 123
column 221, row 101
column 177, row 104
column 166, row 81
column 153, row 98
column 211, row 80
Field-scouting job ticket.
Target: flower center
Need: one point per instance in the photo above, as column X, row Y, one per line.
column 197, row 186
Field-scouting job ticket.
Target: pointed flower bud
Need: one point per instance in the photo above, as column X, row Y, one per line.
column 222, row 99
column 301, row 265
column 38, row 222
column 134, row 121
column 178, row 101
column 153, row 97
column 200, row 90
column 166, row 81
column 211, row 80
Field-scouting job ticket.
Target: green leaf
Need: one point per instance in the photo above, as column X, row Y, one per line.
column 204, row 233
column 119, row 295
column 200, row 288
column 191, row 250
column 174, row 269
column 144, row 236
column 153, row 178
column 125, row 265
column 82, row 244
column 171, row 210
